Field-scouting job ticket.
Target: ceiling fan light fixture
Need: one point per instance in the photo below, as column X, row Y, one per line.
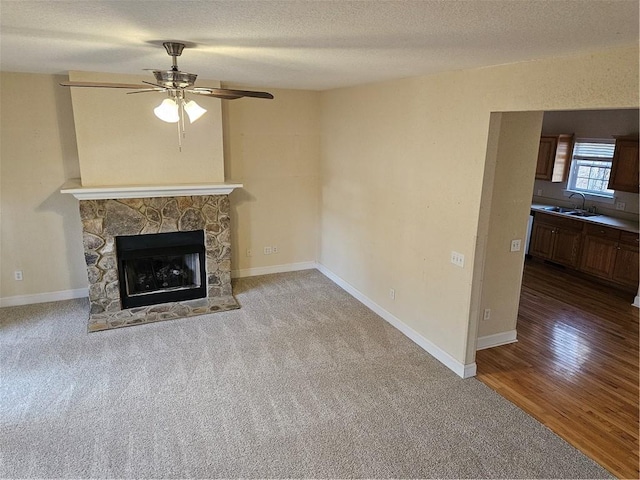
column 167, row 111
column 194, row 111
column 176, row 84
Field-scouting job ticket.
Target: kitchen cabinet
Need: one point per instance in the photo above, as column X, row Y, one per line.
column 598, row 256
column 554, row 157
column 610, row 254
column 624, row 166
column 593, row 248
column 556, row 239
column 625, row 269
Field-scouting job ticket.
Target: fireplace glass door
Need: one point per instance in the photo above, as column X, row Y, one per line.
column 161, row 268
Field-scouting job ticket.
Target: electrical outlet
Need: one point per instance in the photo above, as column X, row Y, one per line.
column 249, row 252
column 457, row 259
column 274, row 249
column 621, row 205
column 515, row 245
column 392, row 294
column 487, row 314
column 17, row 275
column 539, row 192
column 268, row 250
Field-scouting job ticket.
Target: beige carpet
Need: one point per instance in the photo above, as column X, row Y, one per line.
column 303, row 381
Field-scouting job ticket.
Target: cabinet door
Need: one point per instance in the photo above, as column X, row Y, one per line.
column 566, row 247
column 542, row 240
column 598, row 256
column 625, row 269
column 624, row 166
column 562, row 158
column 546, row 155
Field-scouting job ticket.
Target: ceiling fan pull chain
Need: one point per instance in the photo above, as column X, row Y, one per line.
column 182, row 115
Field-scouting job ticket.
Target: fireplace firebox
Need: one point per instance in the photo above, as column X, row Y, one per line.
column 161, row 268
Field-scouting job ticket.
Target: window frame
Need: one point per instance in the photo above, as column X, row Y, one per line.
column 573, row 171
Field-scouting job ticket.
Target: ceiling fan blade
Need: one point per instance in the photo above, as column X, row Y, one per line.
column 229, row 93
column 102, row 85
column 145, row 91
column 215, row 95
column 154, row 84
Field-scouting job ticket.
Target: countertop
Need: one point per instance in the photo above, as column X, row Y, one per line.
column 619, row 223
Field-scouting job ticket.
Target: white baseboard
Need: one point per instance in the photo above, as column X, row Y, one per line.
column 43, row 297
column 288, row 267
column 636, row 301
column 497, row 339
column 460, row 369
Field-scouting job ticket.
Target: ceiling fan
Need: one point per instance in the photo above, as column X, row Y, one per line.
column 176, row 84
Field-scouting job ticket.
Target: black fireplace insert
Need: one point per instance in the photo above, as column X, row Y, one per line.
column 161, row 268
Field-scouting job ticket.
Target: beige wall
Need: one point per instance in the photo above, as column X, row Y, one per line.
column 402, row 181
column 514, row 162
column 272, row 147
column 40, row 227
column 121, row 141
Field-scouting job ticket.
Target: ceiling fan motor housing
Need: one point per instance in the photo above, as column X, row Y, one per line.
column 174, row 78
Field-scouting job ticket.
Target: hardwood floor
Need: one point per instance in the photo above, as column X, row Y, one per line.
column 575, row 365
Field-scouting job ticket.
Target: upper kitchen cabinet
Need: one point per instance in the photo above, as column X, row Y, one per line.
column 624, row 166
column 554, row 157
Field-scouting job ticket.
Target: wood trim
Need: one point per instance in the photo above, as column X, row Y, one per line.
column 75, row 188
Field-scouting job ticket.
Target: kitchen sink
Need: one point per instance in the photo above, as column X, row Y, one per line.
column 570, row 211
column 561, row 210
column 579, row 213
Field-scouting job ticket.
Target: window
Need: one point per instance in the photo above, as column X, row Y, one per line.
column 591, row 167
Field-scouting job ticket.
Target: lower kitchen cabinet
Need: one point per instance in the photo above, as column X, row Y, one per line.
column 542, row 240
column 598, row 256
column 567, row 247
column 610, row 254
column 556, row 239
column 625, row 269
column 603, row 252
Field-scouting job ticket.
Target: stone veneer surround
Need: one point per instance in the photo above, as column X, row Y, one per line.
column 104, row 219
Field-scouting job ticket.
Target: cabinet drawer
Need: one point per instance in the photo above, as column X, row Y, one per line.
column 558, row 221
column 602, row 232
column 629, row 237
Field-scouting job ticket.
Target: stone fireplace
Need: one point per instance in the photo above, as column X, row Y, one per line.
column 170, row 277
column 136, row 183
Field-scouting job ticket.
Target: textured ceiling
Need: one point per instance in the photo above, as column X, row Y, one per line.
column 305, row 44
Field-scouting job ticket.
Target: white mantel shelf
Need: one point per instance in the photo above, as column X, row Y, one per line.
column 75, row 188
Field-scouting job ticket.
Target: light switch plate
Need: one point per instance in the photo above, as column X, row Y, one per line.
column 457, row 259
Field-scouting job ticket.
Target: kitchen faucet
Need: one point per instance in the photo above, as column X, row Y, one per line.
column 582, row 195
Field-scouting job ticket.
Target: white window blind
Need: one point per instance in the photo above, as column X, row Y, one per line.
column 591, row 167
